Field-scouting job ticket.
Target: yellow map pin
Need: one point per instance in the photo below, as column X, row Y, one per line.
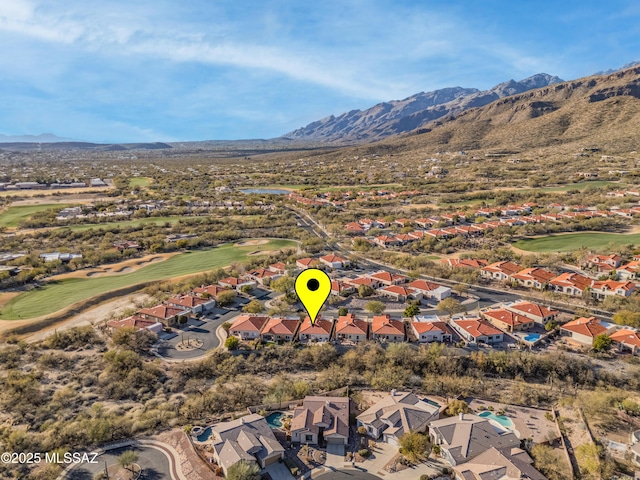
column 313, row 287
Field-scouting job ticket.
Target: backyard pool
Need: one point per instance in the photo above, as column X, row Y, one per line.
column 501, row 419
column 275, row 419
column 205, row 435
column 532, row 337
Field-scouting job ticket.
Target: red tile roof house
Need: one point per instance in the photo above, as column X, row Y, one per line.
column 538, row 313
column 583, row 330
column 341, row 287
column 236, row 283
column 248, row 327
column 192, row 303
column 386, row 329
column 354, row 228
column 278, row 267
column 476, row 330
column 350, row 328
column 334, row 261
column 387, row 278
column 570, row 284
column 356, row 282
column 262, row 275
column 387, row 241
column 603, row 263
column 305, row 263
column 627, row 339
column 629, row 271
column 506, row 320
column 500, row 270
column 465, row 262
column 320, row 331
column 430, row 289
column 212, row 290
column 165, row 314
column 399, row 293
column 135, row 321
column 607, row 288
column 280, row 329
column 534, row 277
column 431, row 329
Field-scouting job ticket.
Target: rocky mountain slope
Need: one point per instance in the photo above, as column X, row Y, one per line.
column 602, row 111
column 399, row 116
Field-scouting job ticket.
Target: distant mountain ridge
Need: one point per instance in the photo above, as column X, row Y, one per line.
column 42, row 138
column 399, row 116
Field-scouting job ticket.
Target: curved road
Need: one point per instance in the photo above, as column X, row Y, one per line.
column 158, row 462
column 347, row 475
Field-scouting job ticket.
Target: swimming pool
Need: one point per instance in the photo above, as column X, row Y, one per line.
column 501, row 419
column 431, row 402
column 205, row 435
column 275, row 419
column 532, row 337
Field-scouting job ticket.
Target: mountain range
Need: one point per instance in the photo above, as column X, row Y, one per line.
column 414, row 112
column 42, row 138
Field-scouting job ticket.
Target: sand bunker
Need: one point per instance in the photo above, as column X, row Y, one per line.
column 251, row 242
column 149, row 260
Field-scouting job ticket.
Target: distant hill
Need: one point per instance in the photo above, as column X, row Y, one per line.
column 42, row 138
column 72, row 145
column 399, row 116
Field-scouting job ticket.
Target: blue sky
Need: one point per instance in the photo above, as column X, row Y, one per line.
column 160, row 70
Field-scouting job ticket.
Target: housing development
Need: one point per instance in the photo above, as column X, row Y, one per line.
column 482, row 321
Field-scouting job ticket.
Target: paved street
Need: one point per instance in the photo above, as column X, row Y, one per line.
column 153, row 462
column 205, row 329
column 350, row 474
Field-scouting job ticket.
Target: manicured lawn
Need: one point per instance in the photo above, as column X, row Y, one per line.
column 568, row 242
column 55, row 296
column 140, row 181
column 14, row 215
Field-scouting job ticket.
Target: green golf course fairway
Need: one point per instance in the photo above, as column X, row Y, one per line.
column 12, row 216
column 574, row 241
column 55, row 296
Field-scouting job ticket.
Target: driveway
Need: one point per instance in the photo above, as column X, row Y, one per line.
column 335, row 455
column 279, row 471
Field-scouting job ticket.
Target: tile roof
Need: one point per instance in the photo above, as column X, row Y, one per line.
column 385, row 325
column 590, row 327
column 188, row 301
column 249, row 323
column 213, row 290
column 280, row 326
column 162, row 311
column 505, row 267
column 507, row 317
column 627, row 337
column 533, row 309
column 424, row 285
column 477, row 327
column 349, row 324
column 570, row 279
column 320, row 327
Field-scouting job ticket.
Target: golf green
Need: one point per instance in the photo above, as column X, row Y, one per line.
column 57, row 295
column 575, row 241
